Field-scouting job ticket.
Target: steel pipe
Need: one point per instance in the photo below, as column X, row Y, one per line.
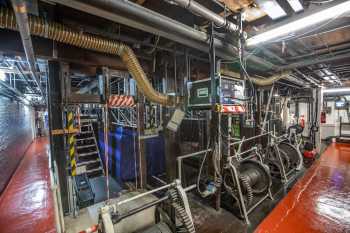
column 249, row 139
column 146, row 193
column 198, row 9
column 141, row 18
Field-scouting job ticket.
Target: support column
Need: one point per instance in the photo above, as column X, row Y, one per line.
column 141, row 160
column 55, row 113
column 318, row 109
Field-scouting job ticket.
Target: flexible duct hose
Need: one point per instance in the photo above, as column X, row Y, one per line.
column 60, row 33
column 258, row 81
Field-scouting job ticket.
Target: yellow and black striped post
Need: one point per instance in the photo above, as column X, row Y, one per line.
column 71, row 141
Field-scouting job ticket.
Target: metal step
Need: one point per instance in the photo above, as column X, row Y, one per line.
column 85, row 132
column 88, row 138
column 87, row 154
column 83, row 136
column 87, row 162
column 85, row 146
column 94, row 170
column 85, row 120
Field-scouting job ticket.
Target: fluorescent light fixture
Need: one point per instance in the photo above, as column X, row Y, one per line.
column 2, row 75
column 334, row 90
column 271, row 8
column 296, row 5
column 307, row 21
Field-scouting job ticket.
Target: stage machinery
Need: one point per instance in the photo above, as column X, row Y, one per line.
column 247, row 179
column 174, row 198
column 283, row 157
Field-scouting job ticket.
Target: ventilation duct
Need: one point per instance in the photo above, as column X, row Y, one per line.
column 60, row 33
column 258, row 81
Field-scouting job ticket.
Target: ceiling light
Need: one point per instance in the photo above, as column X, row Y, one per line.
column 333, row 90
column 296, row 5
column 307, row 21
column 326, row 78
column 2, row 75
column 271, row 8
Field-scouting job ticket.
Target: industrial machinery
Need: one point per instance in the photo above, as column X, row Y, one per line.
column 247, row 179
column 283, row 159
column 112, row 215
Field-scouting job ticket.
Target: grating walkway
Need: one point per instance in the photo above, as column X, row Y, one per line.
column 320, row 201
column 26, row 205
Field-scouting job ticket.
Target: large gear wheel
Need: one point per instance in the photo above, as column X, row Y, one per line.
column 254, row 179
column 247, row 188
column 180, row 209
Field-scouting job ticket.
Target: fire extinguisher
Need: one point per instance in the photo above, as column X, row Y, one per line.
column 323, row 117
column 302, row 121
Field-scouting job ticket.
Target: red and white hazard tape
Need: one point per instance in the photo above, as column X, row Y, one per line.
column 121, row 101
column 234, row 109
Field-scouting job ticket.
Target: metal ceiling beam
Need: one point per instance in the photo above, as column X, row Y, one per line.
column 141, row 18
column 314, row 61
column 20, row 10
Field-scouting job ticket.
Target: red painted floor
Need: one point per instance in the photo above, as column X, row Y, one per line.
column 320, row 201
column 26, row 205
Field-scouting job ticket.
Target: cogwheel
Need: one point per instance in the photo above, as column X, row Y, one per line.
column 248, row 188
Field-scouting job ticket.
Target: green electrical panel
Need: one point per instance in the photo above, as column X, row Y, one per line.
column 199, row 92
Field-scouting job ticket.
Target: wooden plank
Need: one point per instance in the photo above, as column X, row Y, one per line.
column 64, row 131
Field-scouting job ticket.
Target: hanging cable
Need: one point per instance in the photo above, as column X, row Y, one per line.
column 153, row 49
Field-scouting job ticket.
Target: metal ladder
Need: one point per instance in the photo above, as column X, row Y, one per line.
column 88, row 154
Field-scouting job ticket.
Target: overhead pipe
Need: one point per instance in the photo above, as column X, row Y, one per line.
column 20, row 8
column 60, row 33
column 141, row 18
column 199, row 9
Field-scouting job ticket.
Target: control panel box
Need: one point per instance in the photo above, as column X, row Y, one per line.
column 228, row 92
